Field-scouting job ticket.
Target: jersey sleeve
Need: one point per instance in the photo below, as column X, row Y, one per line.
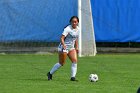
column 65, row 32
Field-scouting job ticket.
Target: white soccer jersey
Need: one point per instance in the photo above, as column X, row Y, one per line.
column 70, row 37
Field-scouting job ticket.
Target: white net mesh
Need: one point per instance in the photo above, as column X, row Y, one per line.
column 33, row 25
column 29, row 25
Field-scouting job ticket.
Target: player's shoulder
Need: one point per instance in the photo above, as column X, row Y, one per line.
column 68, row 27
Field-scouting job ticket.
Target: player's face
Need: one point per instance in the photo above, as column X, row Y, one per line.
column 74, row 22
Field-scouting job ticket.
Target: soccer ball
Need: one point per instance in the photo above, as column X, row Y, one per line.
column 93, row 77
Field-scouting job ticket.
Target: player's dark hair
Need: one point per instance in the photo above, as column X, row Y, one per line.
column 73, row 18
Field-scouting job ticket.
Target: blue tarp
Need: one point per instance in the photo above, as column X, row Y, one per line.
column 44, row 20
column 34, row 20
column 116, row 20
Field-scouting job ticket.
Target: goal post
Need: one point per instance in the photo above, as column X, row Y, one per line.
column 87, row 45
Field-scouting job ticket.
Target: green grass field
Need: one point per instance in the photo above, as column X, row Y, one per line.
column 118, row 73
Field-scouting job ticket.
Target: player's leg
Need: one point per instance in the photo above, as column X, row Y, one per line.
column 73, row 57
column 62, row 58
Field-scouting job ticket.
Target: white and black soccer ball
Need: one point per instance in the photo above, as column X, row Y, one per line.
column 93, row 78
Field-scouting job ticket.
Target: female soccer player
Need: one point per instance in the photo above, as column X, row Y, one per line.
column 68, row 47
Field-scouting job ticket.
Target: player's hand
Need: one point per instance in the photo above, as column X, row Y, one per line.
column 77, row 50
column 64, row 46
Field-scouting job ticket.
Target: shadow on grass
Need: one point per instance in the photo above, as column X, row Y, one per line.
column 138, row 90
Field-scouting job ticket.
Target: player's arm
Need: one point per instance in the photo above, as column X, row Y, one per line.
column 76, row 45
column 62, row 41
column 64, row 34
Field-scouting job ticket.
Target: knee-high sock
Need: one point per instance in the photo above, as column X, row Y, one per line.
column 73, row 69
column 55, row 68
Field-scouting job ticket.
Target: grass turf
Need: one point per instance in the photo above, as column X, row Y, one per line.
column 118, row 73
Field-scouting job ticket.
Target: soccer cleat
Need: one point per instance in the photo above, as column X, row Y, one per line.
column 73, row 79
column 49, row 76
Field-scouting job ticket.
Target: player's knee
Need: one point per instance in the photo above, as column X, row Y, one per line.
column 62, row 63
column 74, row 60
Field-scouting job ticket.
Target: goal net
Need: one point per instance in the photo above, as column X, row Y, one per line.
column 37, row 25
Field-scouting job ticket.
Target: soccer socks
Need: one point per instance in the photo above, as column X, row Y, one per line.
column 58, row 65
column 73, row 69
column 55, row 68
